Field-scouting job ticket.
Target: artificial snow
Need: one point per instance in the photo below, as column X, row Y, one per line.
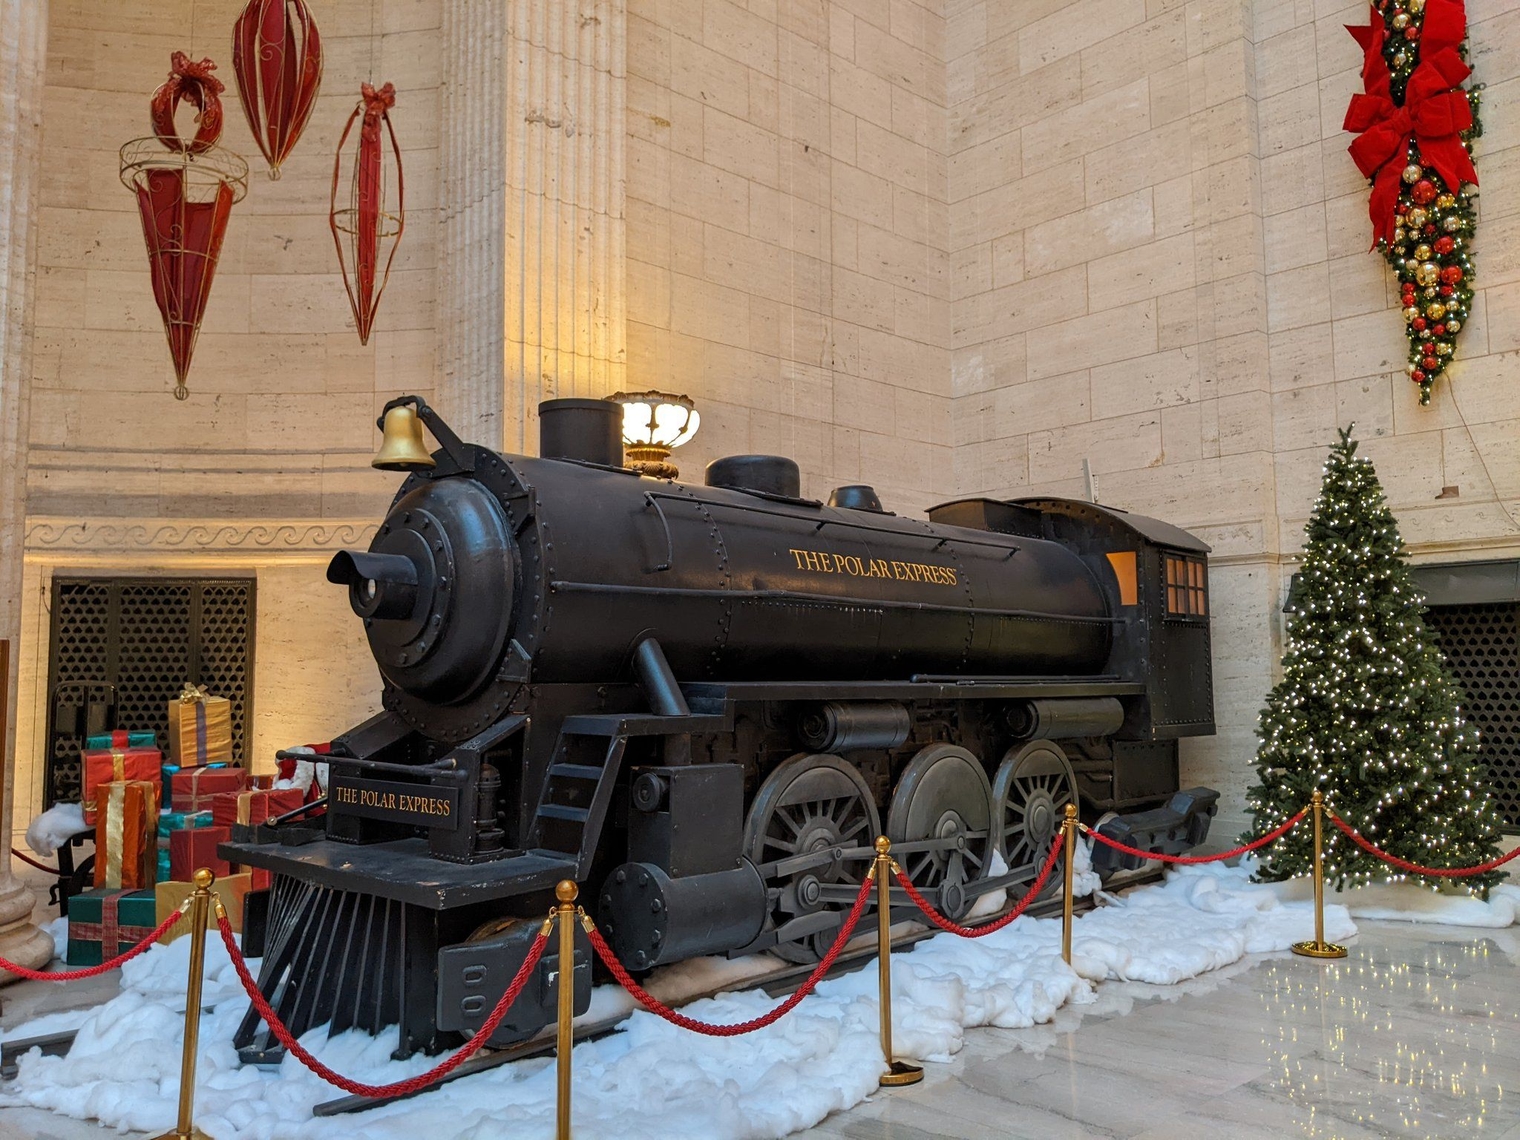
column 55, row 827
column 649, row 1080
column 1413, row 902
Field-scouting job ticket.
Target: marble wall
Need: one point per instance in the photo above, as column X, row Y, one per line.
column 787, row 233
column 1159, row 267
column 941, row 246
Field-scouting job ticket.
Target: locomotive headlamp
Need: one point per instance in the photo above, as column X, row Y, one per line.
column 654, row 424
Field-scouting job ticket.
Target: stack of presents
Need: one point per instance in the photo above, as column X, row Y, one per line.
column 156, row 822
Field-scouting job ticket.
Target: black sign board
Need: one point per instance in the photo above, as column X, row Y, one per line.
column 419, row 804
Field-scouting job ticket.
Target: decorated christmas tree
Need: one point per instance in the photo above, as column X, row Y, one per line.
column 1365, row 710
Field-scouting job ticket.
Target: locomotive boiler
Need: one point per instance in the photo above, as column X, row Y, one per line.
column 703, row 703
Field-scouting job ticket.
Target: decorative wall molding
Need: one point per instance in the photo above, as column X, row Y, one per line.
column 200, row 536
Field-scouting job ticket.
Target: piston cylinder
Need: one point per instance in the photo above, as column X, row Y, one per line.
column 1058, row 719
column 651, row 918
column 849, row 726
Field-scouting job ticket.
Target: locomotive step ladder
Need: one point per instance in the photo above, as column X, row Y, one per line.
column 588, row 758
column 577, row 791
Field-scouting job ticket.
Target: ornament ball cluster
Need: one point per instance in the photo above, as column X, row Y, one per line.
column 1434, row 222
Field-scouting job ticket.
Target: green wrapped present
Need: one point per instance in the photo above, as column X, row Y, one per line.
column 121, row 739
column 163, row 874
column 170, row 821
column 105, row 923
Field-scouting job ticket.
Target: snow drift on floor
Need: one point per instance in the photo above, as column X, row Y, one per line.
column 1415, row 902
column 651, row 1080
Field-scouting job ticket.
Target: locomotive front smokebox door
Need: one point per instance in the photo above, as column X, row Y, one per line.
column 120, row 649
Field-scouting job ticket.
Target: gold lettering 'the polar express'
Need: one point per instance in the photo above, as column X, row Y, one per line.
column 823, row 562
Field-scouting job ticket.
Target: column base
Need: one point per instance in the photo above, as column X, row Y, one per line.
column 1319, row 950
column 20, row 941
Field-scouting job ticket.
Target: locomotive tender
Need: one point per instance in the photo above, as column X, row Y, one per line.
column 703, row 703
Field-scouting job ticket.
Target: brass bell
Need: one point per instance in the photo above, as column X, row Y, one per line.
column 402, row 448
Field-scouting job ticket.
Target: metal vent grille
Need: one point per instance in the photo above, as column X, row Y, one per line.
column 121, row 650
column 1481, row 644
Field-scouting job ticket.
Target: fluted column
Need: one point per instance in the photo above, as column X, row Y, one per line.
column 23, row 51
column 473, row 191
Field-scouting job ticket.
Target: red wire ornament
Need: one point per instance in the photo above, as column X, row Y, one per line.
column 185, row 190
column 277, row 58
column 368, row 228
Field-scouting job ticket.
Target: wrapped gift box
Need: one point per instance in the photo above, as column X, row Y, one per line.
column 169, row 771
column 200, row 728
column 170, row 895
column 120, row 738
column 162, row 874
column 126, row 833
column 254, row 806
column 191, row 789
column 172, row 821
column 118, row 765
column 191, row 849
column 103, row 924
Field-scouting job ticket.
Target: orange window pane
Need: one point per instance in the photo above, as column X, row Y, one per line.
column 1123, row 563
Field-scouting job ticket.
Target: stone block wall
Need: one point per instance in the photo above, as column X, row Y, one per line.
column 787, row 234
column 1159, row 265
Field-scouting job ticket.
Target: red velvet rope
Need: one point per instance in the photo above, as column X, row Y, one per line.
column 30, row 862
column 1270, row 837
column 397, row 1088
column 944, row 923
column 92, row 971
column 1415, row 868
column 656, row 1006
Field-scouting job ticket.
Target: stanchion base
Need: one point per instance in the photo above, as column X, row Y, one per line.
column 900, row 1073
column 176, row 1134
column 1319, row 950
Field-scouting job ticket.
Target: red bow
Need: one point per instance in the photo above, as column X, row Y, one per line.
column 376, row 104
column 192, row 81
column 1433, row 113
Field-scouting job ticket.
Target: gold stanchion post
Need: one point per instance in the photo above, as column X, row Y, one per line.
column 898, row 1072
column 1319, row 948
column 564, row 915
column 1069, row 834
column 200, row 908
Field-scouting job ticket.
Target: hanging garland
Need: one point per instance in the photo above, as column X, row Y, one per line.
column 1415, row 123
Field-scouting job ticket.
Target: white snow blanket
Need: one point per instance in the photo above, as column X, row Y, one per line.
column 650, row 1080
column 1451, row 905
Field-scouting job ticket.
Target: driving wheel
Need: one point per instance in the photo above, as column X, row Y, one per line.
column 943, row 796
column 1033, row 785
column 810, row 803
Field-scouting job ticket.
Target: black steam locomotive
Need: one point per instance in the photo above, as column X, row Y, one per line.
column 703, row 703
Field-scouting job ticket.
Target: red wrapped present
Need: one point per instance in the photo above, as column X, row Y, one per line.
column 195, row 847
column 116, row 765
column 126, row 834
column 259, row 806
column 192, row 789
column 254, row 806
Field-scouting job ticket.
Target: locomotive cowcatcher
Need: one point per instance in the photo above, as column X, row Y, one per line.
column 703, row 703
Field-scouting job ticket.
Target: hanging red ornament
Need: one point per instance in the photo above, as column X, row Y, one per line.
column 1423, row 191
column 185, row 192
column 1451, row 275
column 1445, row 244
column 277, row 58
column 368, row 230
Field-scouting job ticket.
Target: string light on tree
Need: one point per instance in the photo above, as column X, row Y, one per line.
column 1365, row 710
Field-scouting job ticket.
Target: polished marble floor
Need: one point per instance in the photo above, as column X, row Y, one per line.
column 1416, row 1034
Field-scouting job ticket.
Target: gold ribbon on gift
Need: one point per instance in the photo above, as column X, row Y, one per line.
column 116, row 832
column 118, row 765
column 194, row 694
